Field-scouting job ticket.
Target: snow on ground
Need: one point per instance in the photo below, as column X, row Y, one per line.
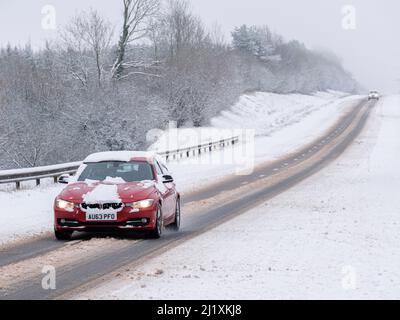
column 334, row 236
column 26, row 212
column 282, row 123
column 252, row 110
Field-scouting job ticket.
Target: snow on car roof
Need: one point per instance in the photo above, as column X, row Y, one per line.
column 124, row 156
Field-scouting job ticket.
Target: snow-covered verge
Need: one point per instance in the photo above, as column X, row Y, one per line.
column 262, row 111
column 293, row 120
column 281, row 124
column 27, row 212
column 270, row 112
column 334, row 236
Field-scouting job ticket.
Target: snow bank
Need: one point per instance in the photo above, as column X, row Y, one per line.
column 269, row 112
column 27, row 212
column 282, row 124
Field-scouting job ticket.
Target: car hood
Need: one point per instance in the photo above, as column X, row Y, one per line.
column 99, row 192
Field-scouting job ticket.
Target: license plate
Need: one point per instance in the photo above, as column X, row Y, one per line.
column 101, row 217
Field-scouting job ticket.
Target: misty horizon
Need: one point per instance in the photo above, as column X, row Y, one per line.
column 368, row 50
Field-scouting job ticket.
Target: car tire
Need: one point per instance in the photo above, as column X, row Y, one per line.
column 63, row 235
column 177, row 223
column 157, row 232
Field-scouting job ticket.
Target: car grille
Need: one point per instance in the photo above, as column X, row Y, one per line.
column 102, row 206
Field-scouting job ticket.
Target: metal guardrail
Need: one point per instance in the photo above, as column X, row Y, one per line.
column 198, row 150
column 19, row 175
column 36, row 174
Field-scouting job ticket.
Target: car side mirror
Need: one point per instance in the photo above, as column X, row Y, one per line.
column 168, row 179
column 64, row 179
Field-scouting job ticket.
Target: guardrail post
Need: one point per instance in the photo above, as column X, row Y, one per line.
column 18, row 185
column 37, row 182
column 55, row 179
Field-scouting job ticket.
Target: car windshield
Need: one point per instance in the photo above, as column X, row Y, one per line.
column 127, row 171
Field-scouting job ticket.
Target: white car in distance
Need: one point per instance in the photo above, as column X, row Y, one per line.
column 374, row 95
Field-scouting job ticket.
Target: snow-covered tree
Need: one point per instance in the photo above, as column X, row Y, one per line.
column 59, row 104
column 257, row 41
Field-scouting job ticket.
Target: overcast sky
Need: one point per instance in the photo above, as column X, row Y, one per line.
column 371, row 51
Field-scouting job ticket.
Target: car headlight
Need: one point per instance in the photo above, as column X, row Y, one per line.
column 143, row 204
column 65, row 205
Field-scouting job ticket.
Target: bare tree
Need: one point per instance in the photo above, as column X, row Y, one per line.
column 52, row 109
column 136, row 17
column 88, row 33
column 183, row 29
column 217, row 36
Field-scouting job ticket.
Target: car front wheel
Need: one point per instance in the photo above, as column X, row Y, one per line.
column 157, row 232
column 177, row 223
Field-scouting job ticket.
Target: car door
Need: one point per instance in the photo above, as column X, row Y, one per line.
column 172, row 194
column 168, row 193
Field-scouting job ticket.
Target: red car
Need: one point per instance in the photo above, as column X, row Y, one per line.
column 118, row 191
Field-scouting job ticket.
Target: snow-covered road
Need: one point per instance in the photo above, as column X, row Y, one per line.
column 334, row 236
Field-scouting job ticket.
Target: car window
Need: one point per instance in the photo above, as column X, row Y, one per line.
column 127, row 171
